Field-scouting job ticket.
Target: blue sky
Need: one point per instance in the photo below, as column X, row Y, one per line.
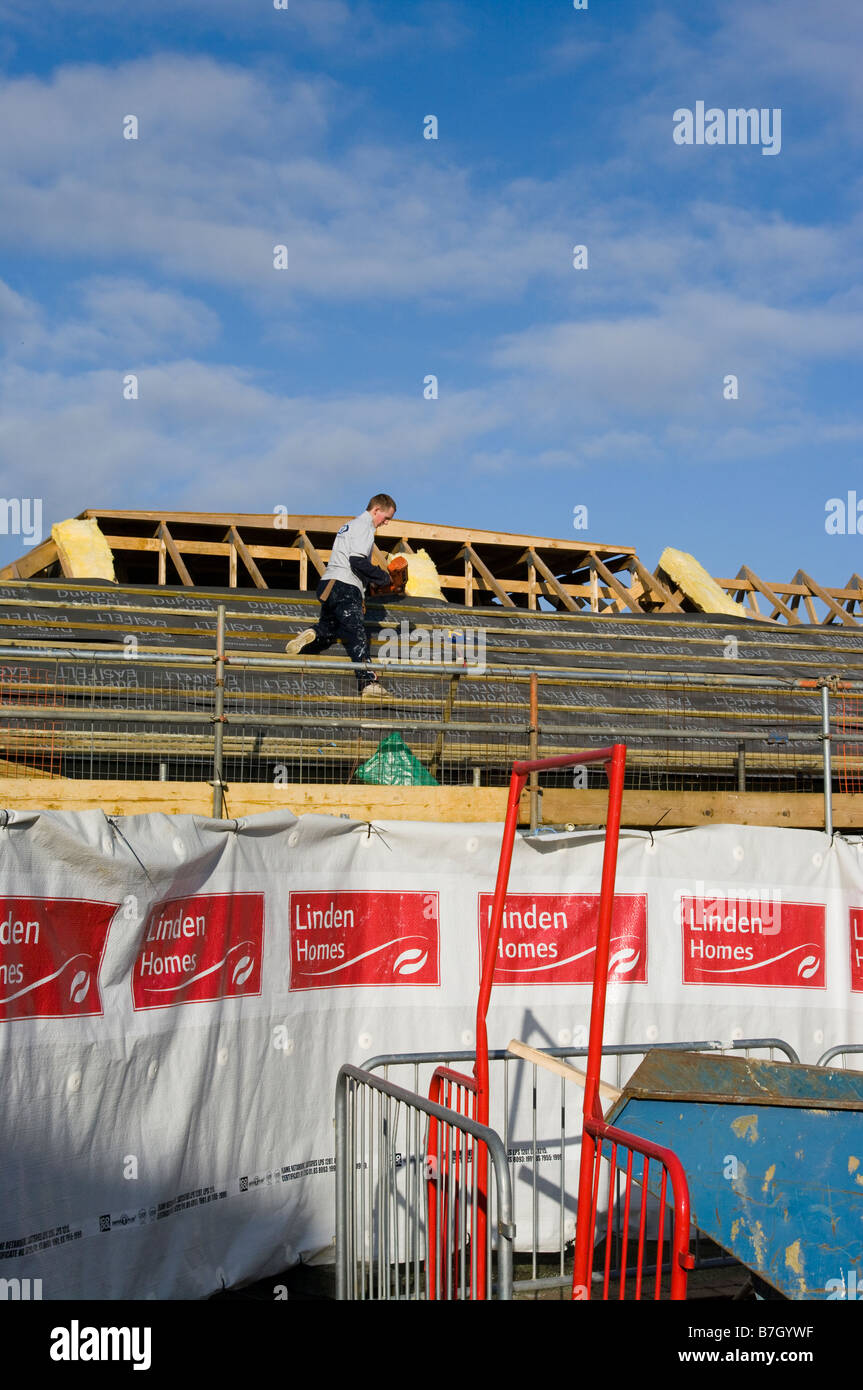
column 408, row 257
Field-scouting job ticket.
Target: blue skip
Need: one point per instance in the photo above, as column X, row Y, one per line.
column 773, row 1153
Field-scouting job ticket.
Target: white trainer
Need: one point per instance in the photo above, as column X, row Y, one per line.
column 296, row 644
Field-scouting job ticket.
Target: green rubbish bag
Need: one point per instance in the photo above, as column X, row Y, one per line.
column 394, row 765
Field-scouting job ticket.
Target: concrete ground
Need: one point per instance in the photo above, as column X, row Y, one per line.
column 309, row 1283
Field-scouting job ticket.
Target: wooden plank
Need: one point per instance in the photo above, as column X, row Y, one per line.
column 562, row 806
column 260, row 552
column 232, row 568
column 39, row 558
column 134, row 542
column 451, row 804
column 625, row 595
column 532, row 587
column 749, row 589
column 175, row 556
column 652, row 582
column 854, row 586
column 490, row 581
column 418, row 530
column 551, row 579
column 827, row 599
column 519, row 586
column 454, row 804
column 243, row 552
column 615, row 595
column 114, row 798
column 305, row 544
column 558, row 1067
column 770, row 594
column 739, row 584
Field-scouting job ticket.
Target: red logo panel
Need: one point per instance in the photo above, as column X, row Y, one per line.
column 50, row 953
column 856, row 930
column 747, row 941
column 198, row 949
column 550, row 938
column 364, row 938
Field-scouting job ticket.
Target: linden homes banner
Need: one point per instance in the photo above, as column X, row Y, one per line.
column 177, row 994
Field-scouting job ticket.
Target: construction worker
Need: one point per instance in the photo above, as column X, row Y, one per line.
column 341, row 593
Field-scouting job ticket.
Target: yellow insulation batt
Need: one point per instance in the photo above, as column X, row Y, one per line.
column 423, row 579
column 699, row 587
column 84, row 552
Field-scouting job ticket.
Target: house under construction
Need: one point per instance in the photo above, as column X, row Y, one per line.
column 143, row 668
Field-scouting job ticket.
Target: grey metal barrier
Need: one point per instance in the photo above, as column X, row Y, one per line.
column 540, row 1122
column 385, row 1174
column 842, row 1050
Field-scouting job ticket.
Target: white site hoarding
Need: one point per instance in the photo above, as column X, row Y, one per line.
column 177, row 994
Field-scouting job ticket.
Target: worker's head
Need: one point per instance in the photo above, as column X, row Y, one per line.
column 382, row 508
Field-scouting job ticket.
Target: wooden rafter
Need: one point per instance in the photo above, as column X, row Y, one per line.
column 415, row 530
column 306, row 545
column 553, row 583
column 490, row 581
column 652, row 582
column 827, row 599
column 244, row 554
column 770, row 594
column 625, row 595
column 573, row 575
column 179, row 564
column 855, row 582
column 39, row 558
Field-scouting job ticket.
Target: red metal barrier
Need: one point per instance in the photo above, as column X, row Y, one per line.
column 613, row 759
column 669, row 1171
column 594, row 1124
column 450, row 1227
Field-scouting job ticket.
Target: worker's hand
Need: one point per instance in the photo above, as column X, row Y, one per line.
column 398, row 568
column 398, row 572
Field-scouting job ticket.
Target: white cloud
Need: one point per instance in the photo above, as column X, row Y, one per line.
column 347, row 32
column 121, row 321
column 209, row 438
column 674, row 360
column 228, row 165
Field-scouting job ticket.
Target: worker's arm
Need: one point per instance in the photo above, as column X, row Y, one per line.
column 363, row 568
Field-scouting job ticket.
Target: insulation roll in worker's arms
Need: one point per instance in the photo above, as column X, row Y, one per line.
column 396, row 581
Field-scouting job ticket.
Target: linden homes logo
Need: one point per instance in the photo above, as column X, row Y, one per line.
column 201, row 948
column 50, row 954
column 550, row 938
column 752, row 941
column 364, row 938
column 856, row 933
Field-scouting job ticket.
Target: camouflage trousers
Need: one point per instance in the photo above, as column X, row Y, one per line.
column 342, row 620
